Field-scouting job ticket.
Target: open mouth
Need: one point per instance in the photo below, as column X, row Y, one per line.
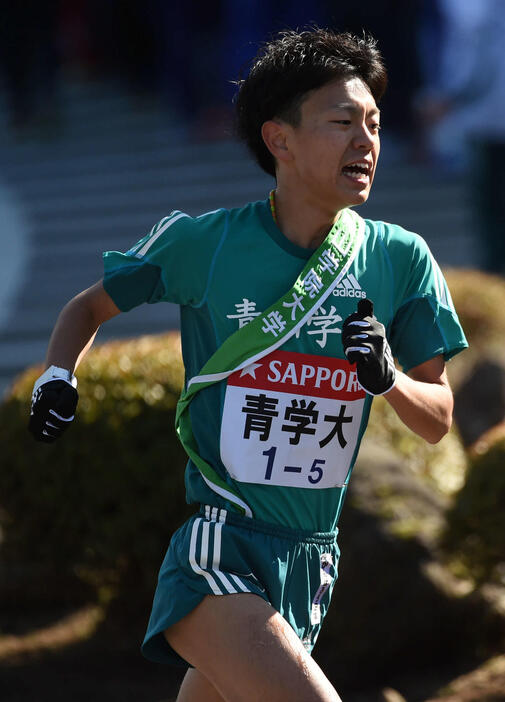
column 359, row 171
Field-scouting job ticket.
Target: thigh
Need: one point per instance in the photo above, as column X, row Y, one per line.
column 195, row 686
column 248, row 651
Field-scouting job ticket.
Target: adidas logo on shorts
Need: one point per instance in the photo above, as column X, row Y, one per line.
column 349, row 287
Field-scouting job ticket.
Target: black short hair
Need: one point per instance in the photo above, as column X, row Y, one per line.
column 288, row 67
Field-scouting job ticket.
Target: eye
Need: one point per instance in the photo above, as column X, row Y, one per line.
column 346, row 122
column 375, row 126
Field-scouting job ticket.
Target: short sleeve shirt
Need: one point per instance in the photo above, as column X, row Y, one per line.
column 283, row 433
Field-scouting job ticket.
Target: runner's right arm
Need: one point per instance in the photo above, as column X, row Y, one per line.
column 77, row 326
column 54, row 397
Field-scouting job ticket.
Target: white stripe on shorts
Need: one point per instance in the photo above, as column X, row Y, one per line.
column 194, row 565
column 217, row 559
column 205, row 544
column 215, row 577
column 215, row 514
column 239, row 582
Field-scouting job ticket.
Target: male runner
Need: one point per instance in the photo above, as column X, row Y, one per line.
column 283, row 353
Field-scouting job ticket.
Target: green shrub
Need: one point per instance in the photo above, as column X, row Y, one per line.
column 478, row 298
column 479, row 301
column 476, row 523
column 103, row 500
column 475, row 534
column 443, row 465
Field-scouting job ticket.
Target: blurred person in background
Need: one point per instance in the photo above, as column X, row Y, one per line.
column 394, row 24
column 245, row 26
column 462, row 106
column 202, row 47
column 30, row 60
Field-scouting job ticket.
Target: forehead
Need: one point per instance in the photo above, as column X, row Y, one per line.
column 352, row 94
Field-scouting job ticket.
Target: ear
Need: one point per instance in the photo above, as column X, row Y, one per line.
column 275, row 136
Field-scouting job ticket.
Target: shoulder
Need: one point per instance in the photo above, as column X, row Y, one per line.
column 188, row 235
column 394, row 235
column 182, row 225
column 214, row 222
column 178, row 232
column 413, row 270
column 225, row 227
column 399, row 243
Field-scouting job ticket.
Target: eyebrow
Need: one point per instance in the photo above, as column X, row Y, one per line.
column 351, row 107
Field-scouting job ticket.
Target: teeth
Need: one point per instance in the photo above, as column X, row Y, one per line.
column 356, row 174
column 360, row 164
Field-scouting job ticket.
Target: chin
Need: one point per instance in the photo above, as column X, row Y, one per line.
column 358, row 199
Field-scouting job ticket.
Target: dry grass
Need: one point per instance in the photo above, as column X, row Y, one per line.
column 485, row 684
column 72, row 629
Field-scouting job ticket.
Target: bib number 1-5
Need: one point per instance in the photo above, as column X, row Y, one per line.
column 314, row 475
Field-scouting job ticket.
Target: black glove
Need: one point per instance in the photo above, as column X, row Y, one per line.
column 54, row 400
column 365, row 344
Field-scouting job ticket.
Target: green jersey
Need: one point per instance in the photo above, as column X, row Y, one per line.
column 283, row 432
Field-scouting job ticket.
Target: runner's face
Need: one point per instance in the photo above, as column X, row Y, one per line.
column 336, row 146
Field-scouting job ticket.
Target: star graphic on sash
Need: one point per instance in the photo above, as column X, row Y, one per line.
column 251, row 370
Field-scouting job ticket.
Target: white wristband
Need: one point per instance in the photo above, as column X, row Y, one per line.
column 55, row 373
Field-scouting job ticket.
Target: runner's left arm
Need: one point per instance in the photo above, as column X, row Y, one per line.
column 422, row 333
column 423, row 399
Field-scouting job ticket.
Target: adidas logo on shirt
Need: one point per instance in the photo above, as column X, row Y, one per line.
column 349, row 287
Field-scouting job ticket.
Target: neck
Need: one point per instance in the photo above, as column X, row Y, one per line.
column 304, row 222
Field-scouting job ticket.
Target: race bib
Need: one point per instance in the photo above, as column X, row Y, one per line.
column 293, row 420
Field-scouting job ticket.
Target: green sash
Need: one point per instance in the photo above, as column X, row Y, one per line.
column 322, row 272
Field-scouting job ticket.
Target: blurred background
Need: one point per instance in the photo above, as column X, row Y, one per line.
column 115, row 112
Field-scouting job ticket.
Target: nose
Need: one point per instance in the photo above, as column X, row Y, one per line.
column 363, row 137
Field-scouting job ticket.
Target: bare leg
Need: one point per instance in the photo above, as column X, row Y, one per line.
column 195, row 686
column 247, row 651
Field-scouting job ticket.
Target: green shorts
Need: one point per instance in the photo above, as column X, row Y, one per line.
column 218, row 553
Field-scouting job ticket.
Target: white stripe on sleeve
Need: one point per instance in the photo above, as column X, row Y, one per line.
column 142, row 252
